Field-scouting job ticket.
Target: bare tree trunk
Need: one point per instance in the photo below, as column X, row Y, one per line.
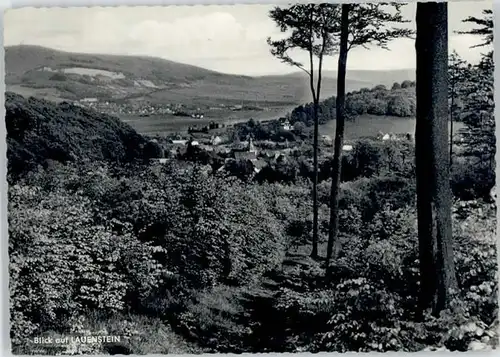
column 314, row 252
column 333, row 247
column 437, row 271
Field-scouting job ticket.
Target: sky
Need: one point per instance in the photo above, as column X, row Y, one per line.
column 229, row 38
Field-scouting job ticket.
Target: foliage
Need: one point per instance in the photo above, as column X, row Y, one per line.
column 476, row 90
column 39, row 132
column 370, row 24
column 478, row 137
column 398, row 102
column 312, row 28
column 305, row 113
column 368, row 304
column 259, row 131
column 215, row 319
column 62, row 264
column 485, row 27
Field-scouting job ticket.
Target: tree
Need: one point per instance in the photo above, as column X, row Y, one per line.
column 299, row 127
column 339, row 132
column 456, row 72
column 478, row 110
column 312, row 29
column 406, row 84
column 361, row 25
column 396, row 85
column 437, row 271
column 485, row 27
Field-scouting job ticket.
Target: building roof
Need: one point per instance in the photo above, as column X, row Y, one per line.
column 179, row 142
column 259, row 164
column 245, row 155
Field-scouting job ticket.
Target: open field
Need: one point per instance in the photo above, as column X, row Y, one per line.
column 164, row 124
column 371, row 125
column 363, row 126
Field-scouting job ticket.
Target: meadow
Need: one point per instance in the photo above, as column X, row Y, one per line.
column 370, row 125
column 167, row 123
column 363, row 126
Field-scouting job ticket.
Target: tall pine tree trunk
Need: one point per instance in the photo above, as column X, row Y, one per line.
column 314, row 252
column 437, row 271
column 333, row 247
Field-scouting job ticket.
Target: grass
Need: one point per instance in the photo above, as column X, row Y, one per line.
column 164, row 124
column 363, row 126
column 371, row 125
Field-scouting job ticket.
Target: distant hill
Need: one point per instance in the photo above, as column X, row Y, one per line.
column 39, row 131
column 58, row 75
column 369, row 77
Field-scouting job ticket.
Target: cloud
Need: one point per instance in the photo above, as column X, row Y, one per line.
column 224, row 38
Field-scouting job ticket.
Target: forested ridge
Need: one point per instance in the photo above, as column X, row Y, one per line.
column 40, row 131
column 397, row 101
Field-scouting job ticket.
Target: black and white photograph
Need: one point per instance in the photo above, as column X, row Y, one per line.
column 251, row 178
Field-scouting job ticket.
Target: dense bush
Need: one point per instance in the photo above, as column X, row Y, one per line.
column 62, row 264
column 472, row 178
column 373, row 287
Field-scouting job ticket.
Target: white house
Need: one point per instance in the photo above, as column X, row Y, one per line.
column 160, row 160
column 179, row 142
column 286, row 125
column 216, row 140
column 89, row 100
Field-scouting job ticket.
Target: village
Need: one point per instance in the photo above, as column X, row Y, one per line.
column 243, row 147
column 146, row 108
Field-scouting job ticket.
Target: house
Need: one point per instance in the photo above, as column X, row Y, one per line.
column 245, row 155
column 89, row 100
column 160, row 160
column 215, row 140
column 222, row 150
column 327, row 140
column 258, row 165
column 396, row 137
column 269, row 154
column 245, row 151
column 206, row 147
column 179, row 142
column 286, row 125
column 178, row 150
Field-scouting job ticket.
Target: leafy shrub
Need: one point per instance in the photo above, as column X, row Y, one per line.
column 472, row 179
column 61, row 264
column 215, row 318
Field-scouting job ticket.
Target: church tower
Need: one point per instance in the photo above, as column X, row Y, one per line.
column 251, row 146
